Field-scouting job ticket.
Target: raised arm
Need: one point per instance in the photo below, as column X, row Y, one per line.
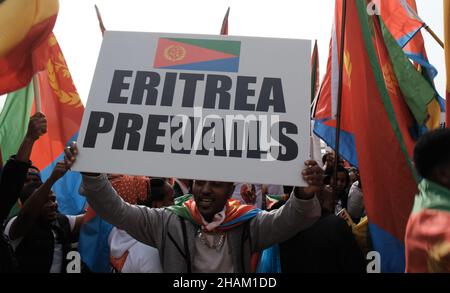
column 142, row 223
column 301, row 211
column 32, row 208
column 15, row 171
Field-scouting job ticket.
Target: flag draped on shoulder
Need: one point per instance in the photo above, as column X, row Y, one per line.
column 429, row 221
column 24, row 28
column 235, row 212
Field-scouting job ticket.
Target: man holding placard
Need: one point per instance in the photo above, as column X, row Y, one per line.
column 206, row 232
column 216, row 109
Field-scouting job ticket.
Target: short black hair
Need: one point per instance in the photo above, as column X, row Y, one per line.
column 342, row 169
column 432, row 151
column 157, row 189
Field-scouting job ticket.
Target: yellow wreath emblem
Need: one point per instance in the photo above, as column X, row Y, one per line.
column 55, row 66
column 175, row 53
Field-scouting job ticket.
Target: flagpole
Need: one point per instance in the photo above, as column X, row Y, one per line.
column 37, row 92
column 447, row 58
column 224, row 28
column 100, row 21
column 426, row 27
column 339, row 97
column 435, row 37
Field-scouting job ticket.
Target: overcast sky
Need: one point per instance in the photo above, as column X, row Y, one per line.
column 79, row 36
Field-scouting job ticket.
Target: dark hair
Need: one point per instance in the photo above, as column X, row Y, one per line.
column 341, row 169
column 156, row 192
column 432, row 151
column 28, row 190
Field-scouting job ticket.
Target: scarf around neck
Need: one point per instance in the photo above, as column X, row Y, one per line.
column 235, row 212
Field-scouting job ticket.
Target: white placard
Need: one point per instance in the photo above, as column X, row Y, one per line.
column 206, row 107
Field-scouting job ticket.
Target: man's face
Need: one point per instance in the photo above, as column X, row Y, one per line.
column 211, row 197
column 330, row 158
column 49, row 210
column 341, row 181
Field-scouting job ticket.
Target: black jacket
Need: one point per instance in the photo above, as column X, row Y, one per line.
column 327, row 247
column 11, row 182
column 35, row 251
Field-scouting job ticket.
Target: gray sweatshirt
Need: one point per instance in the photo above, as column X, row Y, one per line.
column 162, row 229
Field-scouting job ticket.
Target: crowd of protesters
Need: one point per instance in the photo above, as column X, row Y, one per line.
column 179, row 226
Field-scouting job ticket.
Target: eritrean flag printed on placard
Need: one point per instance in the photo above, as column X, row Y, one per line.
column 198, row 54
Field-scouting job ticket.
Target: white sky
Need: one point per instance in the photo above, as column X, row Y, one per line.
column 79, row 35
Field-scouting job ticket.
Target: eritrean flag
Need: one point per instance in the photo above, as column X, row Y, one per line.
column 402, row 21
column 198, row 54
column 377, row 122
column 428, row 234
column 63, row 108
column 24, row 28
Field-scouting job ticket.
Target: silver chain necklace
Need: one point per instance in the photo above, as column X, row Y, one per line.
column 217, row 243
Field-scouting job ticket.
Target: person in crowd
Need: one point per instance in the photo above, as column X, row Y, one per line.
column 354, row 174
column 255, row 194
column 329, row 246
column 427, row 238
column 182, row 187
column 206, row 232
column 328, row 162
column 39, row 235
column 11, row 183
column 342, row 185
column 133, row 189
column 355, row 204
column 131, row 256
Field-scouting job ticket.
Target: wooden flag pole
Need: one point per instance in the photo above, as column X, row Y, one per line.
column 100, row 21
column 435, row 37
column 339, row 97
column 37, row 92
column 224, row 28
